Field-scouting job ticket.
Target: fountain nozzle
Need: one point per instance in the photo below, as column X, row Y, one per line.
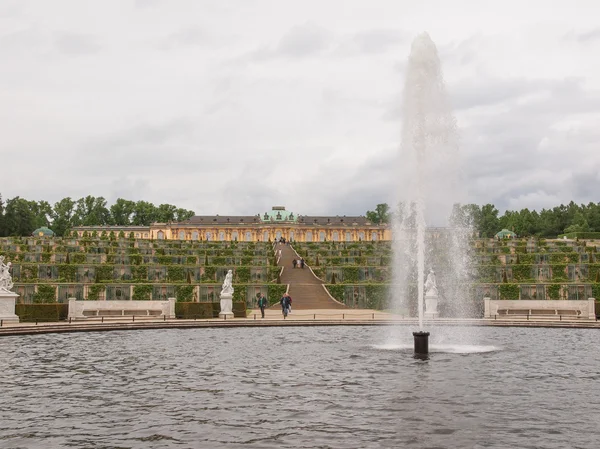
column 421, row 342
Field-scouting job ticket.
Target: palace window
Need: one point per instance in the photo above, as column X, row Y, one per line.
column 195, row 235
column 208, row 236
column 361, row 236
column 160, row 235
column 348, row 236
column 234, row 236
column 248, row 236
column 265, row 236
column 336, row 236
column 374, row 236
column 322, row 236
column 181, row 235
column 221, row 236
column 309, row 236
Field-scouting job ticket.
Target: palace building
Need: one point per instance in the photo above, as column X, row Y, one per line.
column 269, row 226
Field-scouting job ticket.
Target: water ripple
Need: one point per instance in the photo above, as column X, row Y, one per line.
column 314, row 388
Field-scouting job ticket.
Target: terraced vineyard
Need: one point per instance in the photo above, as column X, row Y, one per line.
column 53, row 270
column 357, row 274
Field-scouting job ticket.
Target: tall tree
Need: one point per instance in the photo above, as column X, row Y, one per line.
column 2, row 225
column 165, row 213
column 184, row 214
column 488, row 221
column 63, row 216
column 122, row 212
column 19, row 217
column 380, row 215
column 144, row 213
column 92, row 211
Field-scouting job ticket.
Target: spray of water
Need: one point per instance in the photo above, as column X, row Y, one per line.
column 428, row 187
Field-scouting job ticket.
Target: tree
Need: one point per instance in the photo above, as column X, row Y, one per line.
column 488, row 221
column 183, row 214
column 121, row 212
column 63, row 216
column 144, row 213
column 19, row 216
column 2, row 225
column 380, row 215
column 92, row 211
column 165, row 213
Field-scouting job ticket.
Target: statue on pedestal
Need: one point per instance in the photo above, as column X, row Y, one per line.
column 6, row 282
column 228, row 284
column 430, row 285
column 227, row 296
column 431, row 296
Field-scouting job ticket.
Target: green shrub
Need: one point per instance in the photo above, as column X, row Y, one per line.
column 142, row 292
column 45, row 294
column 42, row 312
column 553, row 291
column 242, row 274
column 184, row 293
column 191, row 310
column 176, row 273
column 275, row 292
column 350, row 275
column 337, row 291
column 94, row 291
column 509, row 291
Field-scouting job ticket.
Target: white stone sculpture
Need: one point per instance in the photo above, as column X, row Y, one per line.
column 6, row 282
column 7, row 298
column 227, row 296
column 430, row 285
column 431, row 296
column 228, row 283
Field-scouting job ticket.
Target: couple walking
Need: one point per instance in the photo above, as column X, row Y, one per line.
column 286, row 304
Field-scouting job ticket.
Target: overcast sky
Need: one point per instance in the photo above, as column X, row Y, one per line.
column 231, row 107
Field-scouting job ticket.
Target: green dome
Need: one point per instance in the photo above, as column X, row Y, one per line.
column 505, row 233
column 43, row 232
column 278, row 213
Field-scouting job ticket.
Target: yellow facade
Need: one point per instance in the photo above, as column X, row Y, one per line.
column 271, row 226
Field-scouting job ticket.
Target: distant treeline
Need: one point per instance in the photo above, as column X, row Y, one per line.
column 20, row 217
column 546, row 223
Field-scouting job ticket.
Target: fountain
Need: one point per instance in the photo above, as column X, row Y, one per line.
column 428, row 173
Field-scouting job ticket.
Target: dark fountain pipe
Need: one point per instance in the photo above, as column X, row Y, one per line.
column 421, row 343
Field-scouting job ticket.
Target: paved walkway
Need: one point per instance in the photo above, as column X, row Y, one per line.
column 307, row 291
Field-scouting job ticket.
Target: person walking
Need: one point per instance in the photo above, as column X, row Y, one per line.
column 302, row 263
column 294, row 263
column 262, row 304
column 284, row 301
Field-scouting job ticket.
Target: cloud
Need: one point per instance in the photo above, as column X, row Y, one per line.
column 371, row 42
column 584, row 37
column 186, row 37
column 75, row 44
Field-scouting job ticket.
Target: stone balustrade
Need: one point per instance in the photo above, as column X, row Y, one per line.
column 81, row 310
column 540, row 308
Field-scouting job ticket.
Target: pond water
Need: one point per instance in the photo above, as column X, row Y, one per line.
column 308, row 387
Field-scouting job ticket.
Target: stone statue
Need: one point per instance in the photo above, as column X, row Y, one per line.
column 6, row 282
column 430, row 286
column 227, row 284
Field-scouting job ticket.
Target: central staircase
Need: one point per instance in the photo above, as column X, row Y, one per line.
column 307, row 291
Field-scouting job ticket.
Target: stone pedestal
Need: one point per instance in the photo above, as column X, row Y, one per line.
column 431, row 304
column 226, row 305
column 7, row 306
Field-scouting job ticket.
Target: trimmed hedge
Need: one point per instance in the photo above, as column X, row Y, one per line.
column 191, row 310
column 42, row 312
